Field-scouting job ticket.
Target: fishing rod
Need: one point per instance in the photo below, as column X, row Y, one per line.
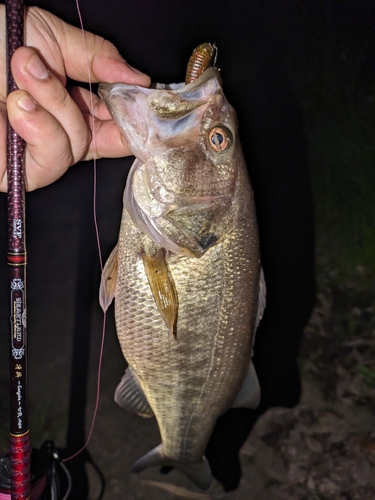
column 24, row 473
column 20, row 449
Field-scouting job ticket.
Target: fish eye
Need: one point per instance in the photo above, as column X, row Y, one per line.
column 220, row 139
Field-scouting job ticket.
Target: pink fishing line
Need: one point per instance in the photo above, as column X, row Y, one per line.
column 98, row 245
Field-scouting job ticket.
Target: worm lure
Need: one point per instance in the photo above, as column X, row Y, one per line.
column 200, row 60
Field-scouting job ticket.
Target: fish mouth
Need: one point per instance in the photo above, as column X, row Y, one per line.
column 128, row 107
column 169, row 118
column 169, row 108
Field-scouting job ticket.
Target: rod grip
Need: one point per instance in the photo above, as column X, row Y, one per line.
column 20, row 455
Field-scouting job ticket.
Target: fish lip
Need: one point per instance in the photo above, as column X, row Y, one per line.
column 178, row 88
column 104, row 88
column 124, row 102
column 209, row 74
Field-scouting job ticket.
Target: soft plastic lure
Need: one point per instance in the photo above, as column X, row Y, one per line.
column 199, row 61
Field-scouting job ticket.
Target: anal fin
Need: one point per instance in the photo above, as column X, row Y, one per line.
column 129, row 395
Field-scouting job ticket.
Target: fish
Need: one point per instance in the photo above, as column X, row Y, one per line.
column 185, row 274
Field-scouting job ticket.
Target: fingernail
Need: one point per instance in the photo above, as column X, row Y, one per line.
column 26, row 103
column 37, row 68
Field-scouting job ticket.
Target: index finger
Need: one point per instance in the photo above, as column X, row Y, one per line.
column 84, row 51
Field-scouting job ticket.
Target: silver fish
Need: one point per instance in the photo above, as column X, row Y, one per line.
column 186, row 270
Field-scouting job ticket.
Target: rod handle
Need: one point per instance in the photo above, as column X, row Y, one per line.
column 20, row 461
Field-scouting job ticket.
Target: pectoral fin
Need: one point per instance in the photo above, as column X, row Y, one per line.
column 162, row 287
column 249, row 394
column 129, row 395
column 109, row 280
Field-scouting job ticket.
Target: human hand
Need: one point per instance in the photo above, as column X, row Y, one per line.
column 56, row 124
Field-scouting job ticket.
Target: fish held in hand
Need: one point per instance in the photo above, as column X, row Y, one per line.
column 186, row 272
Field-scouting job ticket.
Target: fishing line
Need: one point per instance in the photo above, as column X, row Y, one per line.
column 100, row 362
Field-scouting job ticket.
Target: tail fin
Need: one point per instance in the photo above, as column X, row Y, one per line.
column 199, row 472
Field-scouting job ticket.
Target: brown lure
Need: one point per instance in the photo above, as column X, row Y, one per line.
column 199, row 61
